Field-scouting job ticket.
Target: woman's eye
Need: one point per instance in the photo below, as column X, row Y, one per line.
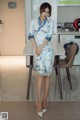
column 46, row 11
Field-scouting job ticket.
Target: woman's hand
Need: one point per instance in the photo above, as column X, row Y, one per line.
column 38, row 51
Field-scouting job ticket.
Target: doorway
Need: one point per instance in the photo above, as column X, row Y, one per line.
column 12, row 36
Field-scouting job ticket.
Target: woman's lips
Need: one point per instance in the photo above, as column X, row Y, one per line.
column 44, row 16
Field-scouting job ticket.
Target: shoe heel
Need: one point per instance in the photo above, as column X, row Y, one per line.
column 44, row 110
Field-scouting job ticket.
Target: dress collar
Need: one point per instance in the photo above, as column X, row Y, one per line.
column 41, row 22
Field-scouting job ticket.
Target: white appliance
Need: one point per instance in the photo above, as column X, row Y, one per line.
column 75, row 38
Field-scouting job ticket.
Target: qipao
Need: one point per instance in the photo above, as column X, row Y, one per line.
column 40, row 31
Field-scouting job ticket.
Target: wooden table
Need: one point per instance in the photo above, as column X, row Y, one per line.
column 58, row 51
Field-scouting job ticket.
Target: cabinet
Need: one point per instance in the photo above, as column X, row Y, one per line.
column 68, row 2
column 75, row 38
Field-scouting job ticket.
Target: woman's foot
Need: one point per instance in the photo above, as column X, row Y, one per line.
column 39, row 108
column 44, row 110
column 40, row 114
column 44, row 106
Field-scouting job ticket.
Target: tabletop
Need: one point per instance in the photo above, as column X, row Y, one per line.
column 57, row 47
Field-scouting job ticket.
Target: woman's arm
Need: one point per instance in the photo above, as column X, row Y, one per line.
column 47, row 38
column 31, row 37
column 39, row 50
column 43, row 44
column 33, row 43
column 35, row 47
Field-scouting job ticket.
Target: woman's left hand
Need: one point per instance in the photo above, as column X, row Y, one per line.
column 39, row 50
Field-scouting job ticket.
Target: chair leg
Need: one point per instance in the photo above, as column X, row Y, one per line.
column 59, row 82
column 29, row 81
column 57, row 63
column 69, row 77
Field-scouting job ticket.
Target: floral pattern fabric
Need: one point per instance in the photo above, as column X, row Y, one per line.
column 40, row 31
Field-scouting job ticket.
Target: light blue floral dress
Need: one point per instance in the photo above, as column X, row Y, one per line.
column 40, row 31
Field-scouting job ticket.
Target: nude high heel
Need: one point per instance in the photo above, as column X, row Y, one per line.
column 44, row 110
column 39, row 113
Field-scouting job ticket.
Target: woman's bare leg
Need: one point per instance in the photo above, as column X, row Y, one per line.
column 39, row 92
column 46, row 90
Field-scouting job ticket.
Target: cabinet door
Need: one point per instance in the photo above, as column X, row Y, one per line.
column 66, row 38
column 68, row 2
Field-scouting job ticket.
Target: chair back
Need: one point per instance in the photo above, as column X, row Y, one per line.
column 71, row 55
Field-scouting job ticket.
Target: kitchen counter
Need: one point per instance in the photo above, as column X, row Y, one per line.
column 69, row 33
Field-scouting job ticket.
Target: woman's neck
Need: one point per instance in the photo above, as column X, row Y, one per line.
column 41, row 19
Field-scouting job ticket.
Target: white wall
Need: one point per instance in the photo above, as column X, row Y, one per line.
column 68, row 13
column 27, row 16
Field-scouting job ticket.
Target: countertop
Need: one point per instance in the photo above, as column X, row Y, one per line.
column 69, row 33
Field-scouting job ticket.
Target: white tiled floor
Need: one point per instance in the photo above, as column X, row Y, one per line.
column 13, row 78
column 13, row 81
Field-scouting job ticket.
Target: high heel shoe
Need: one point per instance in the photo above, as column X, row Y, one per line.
column 44, row 110
column 40, row 114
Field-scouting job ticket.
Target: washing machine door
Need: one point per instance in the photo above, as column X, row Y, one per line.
column 77, row 57
column 77, row 24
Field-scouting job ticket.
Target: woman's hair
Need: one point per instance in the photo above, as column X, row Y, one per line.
column 44, row 6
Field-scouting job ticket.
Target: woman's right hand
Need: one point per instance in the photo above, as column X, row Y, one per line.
column 38, row 51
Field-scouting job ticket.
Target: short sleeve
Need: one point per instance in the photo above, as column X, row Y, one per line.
column 50, row 33
column 31, row 30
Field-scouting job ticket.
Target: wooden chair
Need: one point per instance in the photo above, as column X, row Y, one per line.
column 65, row 63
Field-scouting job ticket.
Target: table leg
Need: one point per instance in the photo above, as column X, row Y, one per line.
column 29, row 76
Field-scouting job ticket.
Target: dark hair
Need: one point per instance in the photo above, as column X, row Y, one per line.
column 44, row 6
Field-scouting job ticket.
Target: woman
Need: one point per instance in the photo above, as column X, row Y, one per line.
column 40, row 35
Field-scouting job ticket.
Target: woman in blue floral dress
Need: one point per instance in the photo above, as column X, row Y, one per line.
column 40, row 34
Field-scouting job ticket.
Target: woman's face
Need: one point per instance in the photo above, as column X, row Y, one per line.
column 44, row 14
